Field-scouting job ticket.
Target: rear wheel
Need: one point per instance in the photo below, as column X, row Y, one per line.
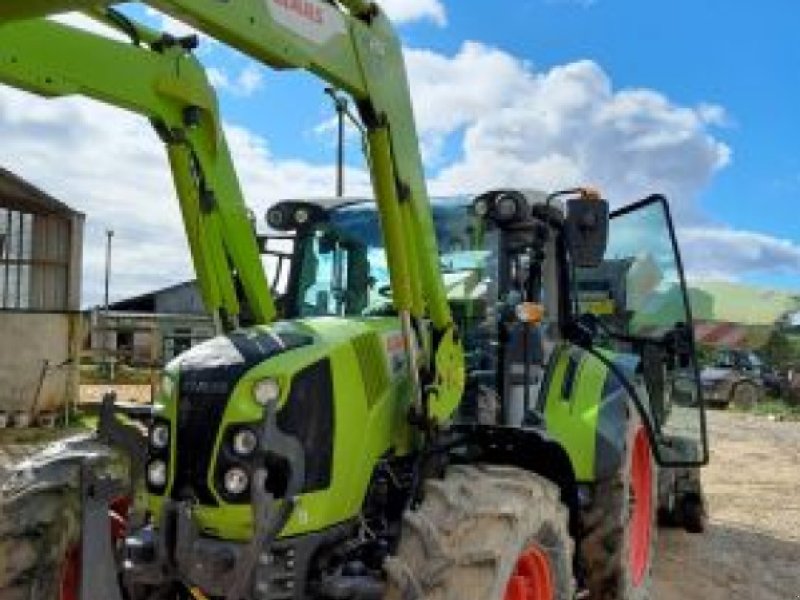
column 681, row 502
column 745, row 395
column 484, row 533
column 620, row 526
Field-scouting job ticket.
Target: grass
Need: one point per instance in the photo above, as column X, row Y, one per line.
column 778, row 408
column 123, row 375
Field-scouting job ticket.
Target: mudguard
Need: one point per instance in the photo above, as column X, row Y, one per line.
column 586, row 409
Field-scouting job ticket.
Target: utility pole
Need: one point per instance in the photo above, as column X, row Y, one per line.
column 106, row 327
column 109, row 236
column 341, row 106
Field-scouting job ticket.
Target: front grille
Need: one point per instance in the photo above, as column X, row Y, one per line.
column 309, row 416
column 199, row 420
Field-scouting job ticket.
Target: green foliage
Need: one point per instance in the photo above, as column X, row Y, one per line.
column 123, row 375
column 780, row 409
column 705, row 355
column 781, row 351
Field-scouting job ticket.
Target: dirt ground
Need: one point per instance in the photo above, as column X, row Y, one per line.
column 751, row 550
column 93, row 394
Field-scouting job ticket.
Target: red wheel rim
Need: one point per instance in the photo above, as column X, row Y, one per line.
column 70, row 577
column 532, row 578
column 642, row 505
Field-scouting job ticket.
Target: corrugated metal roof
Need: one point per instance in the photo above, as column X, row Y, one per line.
column 18, row 194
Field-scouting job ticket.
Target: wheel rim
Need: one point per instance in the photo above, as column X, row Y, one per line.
column 532, row 578
column 70, row 578
column 642, row 499
column 70, row 575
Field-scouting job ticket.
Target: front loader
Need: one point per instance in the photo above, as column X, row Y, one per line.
column 346, row 451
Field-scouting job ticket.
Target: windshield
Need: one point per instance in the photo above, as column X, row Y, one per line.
column 343, row 267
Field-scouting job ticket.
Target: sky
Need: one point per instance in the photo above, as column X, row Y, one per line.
column 696, row 100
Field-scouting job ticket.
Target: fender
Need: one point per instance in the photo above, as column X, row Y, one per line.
column 531, row 449
column 586, row 409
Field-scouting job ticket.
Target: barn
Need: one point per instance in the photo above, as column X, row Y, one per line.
column 41, row 241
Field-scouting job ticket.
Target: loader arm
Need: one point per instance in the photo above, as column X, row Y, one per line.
column 169, row 87
column 352, row 45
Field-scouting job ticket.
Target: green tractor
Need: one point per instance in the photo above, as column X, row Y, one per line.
column 543, row 483
column 431, row 416
column 544, row 391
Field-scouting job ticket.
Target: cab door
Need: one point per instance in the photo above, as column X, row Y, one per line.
column 640, row 298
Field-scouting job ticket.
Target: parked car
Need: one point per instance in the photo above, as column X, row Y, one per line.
column 741, row 378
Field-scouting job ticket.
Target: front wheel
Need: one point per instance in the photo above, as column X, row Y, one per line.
column 40, row 540
column 484, row 533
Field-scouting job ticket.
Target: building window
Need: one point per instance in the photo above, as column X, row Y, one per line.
column 34, row 261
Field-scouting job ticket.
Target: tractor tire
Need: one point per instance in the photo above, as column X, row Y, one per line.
column 40, row 520
column 39, row 540
column 681, row 502
column 619, row 526
column 484, row 533
column 745, row 395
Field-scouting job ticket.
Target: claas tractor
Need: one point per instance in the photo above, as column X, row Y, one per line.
column 603, row 408
column 419, row 419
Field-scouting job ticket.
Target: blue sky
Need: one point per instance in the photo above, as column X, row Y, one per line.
column 694, row 99
column 730, row 54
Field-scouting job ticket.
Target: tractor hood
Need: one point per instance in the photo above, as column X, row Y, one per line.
column 216, row 365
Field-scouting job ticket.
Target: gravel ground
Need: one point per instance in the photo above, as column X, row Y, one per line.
column 751, row 550
column 93, row 394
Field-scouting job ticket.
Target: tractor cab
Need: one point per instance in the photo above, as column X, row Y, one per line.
column 533, row 282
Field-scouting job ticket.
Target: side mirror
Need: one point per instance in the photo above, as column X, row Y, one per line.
column 587, row 230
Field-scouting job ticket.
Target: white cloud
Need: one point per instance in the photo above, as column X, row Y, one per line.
column 110, row 165
column 725, row 253
column 560, row 127
column 405, row 11
column 514, row 126
column 244, row 84
column 567, row 126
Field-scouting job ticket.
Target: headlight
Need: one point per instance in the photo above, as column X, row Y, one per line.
column 159, row 436
column 236, row 481
column 266, row 391
column 157, row 473
column 245, row 442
